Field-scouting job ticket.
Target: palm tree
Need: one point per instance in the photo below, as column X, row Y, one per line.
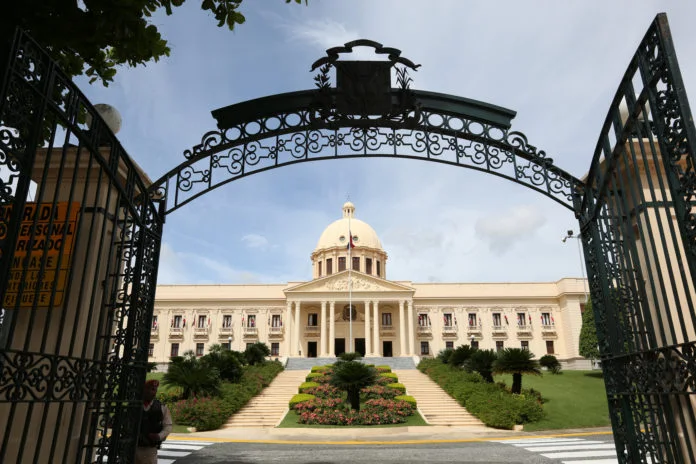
column 460, row 355
column 481, row 361
column 225, row 361
column 517, row 362
column 353, row 376
column 192, row 376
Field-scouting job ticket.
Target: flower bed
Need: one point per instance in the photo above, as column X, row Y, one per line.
column 329, row 407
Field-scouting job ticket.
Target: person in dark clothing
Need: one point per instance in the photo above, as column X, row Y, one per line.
column 155, row 425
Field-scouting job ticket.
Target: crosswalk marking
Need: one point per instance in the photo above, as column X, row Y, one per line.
column 571, row 450
column 178, row 449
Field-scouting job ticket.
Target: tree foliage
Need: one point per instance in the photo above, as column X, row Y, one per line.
column 481, row 361
column 256, row 353
column 192, row 376
column 225, row 361
column 351, row 377
column 517, row 362
column 588, row 334
column 460, row 355
column 94, row 37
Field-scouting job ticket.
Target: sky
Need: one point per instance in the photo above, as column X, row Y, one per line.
column 557, row 64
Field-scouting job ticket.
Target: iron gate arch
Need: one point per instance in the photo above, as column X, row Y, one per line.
column 650, row 371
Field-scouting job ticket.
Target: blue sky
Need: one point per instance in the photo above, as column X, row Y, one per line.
column 556, row 63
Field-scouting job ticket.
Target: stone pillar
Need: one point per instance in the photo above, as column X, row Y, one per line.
column 322, row 336
column 377, row 349
column 411, row 336
column 368, row 339
column 332, row 329
column 288, row 327
column 402, row 329
column 296, row 338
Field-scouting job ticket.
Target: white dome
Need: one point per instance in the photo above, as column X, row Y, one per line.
column 337, row 233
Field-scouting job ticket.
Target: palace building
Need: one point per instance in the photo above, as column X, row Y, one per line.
column 350, row 304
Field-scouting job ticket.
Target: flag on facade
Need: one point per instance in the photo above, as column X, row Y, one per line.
column 552, row 321
column 350, row 241
column 184, row 322
column 530, row 319
column 506, row 320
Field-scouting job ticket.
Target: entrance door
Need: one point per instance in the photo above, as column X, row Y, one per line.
column 360, row 346
column 387, row 349
column 311, row 349
column 340, row 346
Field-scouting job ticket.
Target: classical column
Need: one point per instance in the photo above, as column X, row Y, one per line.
column 368, row 339
column 288, row 326
column 332, row 329
column 402, row 329
column 377, row 349
column 411, row 336
column 322, row 336
column 296, row 340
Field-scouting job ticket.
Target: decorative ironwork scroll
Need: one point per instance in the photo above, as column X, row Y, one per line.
column 639, row 235
column 362, row 117
column 71, row 368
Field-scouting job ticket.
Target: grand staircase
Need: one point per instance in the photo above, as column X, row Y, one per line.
column 267, row 408
column 436, row 406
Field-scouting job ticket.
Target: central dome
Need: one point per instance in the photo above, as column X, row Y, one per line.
column 336, row 234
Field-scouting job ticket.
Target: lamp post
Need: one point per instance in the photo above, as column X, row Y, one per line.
column 229, row 343
column 473, row 339
column 571, row 234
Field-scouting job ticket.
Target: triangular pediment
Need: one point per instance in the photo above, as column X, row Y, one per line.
column 361, row 283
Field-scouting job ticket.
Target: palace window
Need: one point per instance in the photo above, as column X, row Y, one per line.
column 341, row 263
column 379, row 269
column 521, row 320
column 227, row 321
column 176, row 322
column 386, row 319
column 199, row 349
column 312, row 319
column 546, row 319
column 201, row 322
column 154, row 322
column 496, row 320
column 549, row 347
column 447, row 319
column 329, row 267
column 368, row 266
column 449, row 345
column 524, row 345
column 174, row 350
column 423, row 320
column 249, row 345
column 499, row 346
column 472, row 320
column 275, row 349
column 319, row 268
column 425, row 348
column 251, row 320
column 151, row 350
column 276, row 321
column 356, row 263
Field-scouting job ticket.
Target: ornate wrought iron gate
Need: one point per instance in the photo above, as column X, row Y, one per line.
column 79, row 243
column 80, row 234
column 639, row 235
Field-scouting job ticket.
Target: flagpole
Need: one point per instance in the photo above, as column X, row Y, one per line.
column 350, row 286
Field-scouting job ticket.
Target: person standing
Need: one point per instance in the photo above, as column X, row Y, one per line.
column 155, row 425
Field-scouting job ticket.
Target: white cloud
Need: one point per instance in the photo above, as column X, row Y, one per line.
column 255, row 241
column 505, row 229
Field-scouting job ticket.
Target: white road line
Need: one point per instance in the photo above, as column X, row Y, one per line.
column 579, row 454
column 172, row 454
column 539, row 440
column 593, row 461
column 579, row 446
column 188, row 442
column 176, row 446
column 165, row 461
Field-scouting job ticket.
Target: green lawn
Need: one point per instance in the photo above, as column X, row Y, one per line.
column 573, row 399
column 290, row 420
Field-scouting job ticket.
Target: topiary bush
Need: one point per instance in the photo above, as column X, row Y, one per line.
column 304, row 386
column 299, row 398
column 349, row 356
column 398, row 386
column 550, row 362
column 408, row 399
column 202, row 413
column 383, row 369
column 390, row 375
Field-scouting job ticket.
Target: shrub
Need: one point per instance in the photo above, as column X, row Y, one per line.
column 383, row 369
column 408, row 399
column 193, row 376
column 169, row 397
column 380, row 391
column 322, row 368
column 323, row 391
column 351, row 377
column 460, row 355
column 256, row 353
column 299, row 398
column 481, row 361
column 202, row 413
column 312, row 376
column 444, row 355
column 225, row 361
column 390, row 375
column 349, row 356
column 550, row 362
column 304, row 386
column 398, row 386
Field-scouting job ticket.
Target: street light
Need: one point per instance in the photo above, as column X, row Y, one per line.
column 229, row 343
column 473, row 339
column 571, row 234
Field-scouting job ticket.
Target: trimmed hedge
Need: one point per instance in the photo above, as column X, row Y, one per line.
column 397, row 386
column 300, row 398
column 322, row 368
column 313, row 375
column 306, row 385
column 408, row 399
column 491, row 403
column 202, row 413
column 383, row 369
column 390, row 375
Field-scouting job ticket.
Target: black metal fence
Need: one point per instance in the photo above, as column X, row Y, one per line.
column 79, row 244
column 639, row 235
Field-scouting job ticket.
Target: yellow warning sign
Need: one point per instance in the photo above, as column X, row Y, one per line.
column 41, row 262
